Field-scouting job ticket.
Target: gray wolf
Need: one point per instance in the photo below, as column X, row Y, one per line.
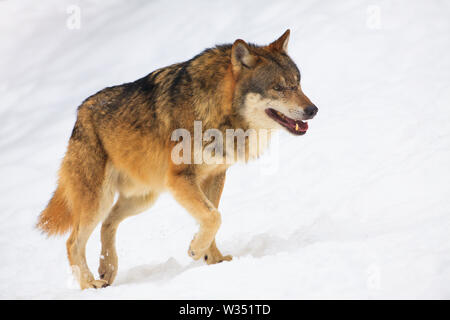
column 121, row 144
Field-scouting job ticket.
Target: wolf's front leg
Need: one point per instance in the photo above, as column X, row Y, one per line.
column 187, row 192
column 213, row 187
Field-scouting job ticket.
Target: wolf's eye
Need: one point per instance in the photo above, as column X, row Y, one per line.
column 278, row 88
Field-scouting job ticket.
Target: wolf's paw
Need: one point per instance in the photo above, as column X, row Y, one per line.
column 107, row 269
column 96, row 284
column 196, row 251
column 107, row 272
column 108, row 276
column 213, row 259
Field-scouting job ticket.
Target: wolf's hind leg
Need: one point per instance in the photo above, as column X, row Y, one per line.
column 213, row 187
column 89, row 181
column 90, row 214
column 76, row 251
column 187, row 192
column 124, row 207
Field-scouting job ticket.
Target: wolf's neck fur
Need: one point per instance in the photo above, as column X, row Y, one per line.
column 219, row 107
column 203, row 86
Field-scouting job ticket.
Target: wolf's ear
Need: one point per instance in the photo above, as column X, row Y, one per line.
column 241, row 56
column 282, row 42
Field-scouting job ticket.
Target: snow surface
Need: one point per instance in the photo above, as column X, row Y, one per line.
column 357, row 208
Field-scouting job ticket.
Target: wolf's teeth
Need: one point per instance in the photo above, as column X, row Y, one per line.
column 296, row 127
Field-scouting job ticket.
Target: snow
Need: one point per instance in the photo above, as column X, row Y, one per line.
column 359, row 207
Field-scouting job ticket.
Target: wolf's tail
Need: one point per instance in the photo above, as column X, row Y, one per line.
column 56, row 219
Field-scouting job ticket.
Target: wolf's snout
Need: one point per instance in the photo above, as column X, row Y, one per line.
column 310, row 111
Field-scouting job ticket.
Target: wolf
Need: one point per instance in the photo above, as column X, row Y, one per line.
column 121, row 145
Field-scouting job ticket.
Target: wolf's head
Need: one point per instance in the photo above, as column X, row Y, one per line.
column 268, row 91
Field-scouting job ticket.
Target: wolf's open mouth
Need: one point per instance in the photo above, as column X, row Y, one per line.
column 297, row 127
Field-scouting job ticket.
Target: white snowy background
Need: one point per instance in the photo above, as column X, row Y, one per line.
column 359, row 207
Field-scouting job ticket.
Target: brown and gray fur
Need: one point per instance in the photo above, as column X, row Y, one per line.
column 121, row 144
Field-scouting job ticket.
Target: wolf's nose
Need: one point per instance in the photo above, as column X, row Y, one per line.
column 311, row 111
